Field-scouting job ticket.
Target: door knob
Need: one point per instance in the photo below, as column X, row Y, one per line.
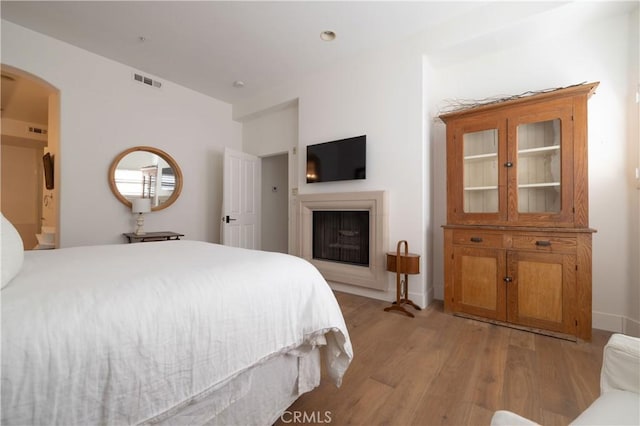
column 227, row 219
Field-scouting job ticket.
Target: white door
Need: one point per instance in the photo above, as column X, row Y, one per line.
column 241, row 200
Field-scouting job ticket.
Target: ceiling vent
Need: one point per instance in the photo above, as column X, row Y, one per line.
column 146, row 80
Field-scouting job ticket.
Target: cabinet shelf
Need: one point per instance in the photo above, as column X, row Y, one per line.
column 540, row 185
column 544, row 149
column 481, row 188
column 481, row 156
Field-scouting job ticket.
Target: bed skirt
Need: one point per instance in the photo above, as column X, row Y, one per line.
column 257, row 396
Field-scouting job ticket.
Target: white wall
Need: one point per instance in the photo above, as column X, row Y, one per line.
column 379, row 95
column 274, row 131
column 598, row 51
column 269, row 132
column 102, row 112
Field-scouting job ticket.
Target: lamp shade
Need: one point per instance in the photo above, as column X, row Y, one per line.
column 141, row 205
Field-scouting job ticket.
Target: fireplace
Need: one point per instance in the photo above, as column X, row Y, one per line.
column 341, row 236
column 345, row 236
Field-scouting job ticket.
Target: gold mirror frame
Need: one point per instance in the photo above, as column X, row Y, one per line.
column 166, row 157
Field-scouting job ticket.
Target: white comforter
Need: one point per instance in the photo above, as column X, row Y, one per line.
column 122, row 334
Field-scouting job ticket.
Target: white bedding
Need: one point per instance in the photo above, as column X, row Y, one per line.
column 124, row 334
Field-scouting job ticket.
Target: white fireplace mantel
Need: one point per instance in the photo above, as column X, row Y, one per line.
column 374, row 276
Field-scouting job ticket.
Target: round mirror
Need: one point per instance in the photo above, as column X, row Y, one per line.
column 145, row 172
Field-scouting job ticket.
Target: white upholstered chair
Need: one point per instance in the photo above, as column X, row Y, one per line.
column 619, row 400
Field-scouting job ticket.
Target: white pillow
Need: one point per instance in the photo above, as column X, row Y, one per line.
column 11, row 251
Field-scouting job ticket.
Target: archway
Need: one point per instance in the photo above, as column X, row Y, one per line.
column 30, row 181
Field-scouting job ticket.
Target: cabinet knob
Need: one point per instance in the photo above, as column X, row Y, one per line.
column 476, row 239
column 508, row 164
column 508, row 279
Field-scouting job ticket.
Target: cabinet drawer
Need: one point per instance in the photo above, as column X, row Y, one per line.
column 544, row 243
column 477, row 238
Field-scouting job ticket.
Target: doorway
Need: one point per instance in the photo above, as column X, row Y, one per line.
column 29, row 195
column 22, row 186
column 272, row 135
column 275, row 203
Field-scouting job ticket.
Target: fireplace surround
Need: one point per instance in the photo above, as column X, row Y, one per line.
column 372, row 275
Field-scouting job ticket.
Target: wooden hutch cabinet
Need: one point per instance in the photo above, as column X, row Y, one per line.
column 517, row 241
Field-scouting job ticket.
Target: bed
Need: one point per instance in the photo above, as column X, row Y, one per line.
column 175, row 332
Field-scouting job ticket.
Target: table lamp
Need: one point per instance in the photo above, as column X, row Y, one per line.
column 140, row 206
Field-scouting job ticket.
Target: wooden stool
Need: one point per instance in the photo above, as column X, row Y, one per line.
column 407, row 263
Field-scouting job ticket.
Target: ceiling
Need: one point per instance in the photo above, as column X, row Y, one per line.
column 207, row 45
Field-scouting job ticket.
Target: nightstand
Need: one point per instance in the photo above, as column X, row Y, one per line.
column 152, row 236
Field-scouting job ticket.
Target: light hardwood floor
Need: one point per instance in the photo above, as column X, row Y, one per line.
column 439, row 369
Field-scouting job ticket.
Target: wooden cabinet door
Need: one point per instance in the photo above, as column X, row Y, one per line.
column 479, row 287
column 542, row 290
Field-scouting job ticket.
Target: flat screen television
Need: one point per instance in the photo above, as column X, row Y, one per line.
column 344, row 159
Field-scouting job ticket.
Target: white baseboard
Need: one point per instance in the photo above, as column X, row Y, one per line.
column 616, row 323
column 631, row 327
column 388, row 296
column 608, row 322
column 362, row 291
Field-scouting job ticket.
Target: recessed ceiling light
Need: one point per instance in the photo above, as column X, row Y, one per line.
column 327, row 35
column 238, row 83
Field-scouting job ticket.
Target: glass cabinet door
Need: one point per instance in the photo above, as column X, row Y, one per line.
column 476, row 176
column 538, row 158
column 540, row 184
column 480, row 171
